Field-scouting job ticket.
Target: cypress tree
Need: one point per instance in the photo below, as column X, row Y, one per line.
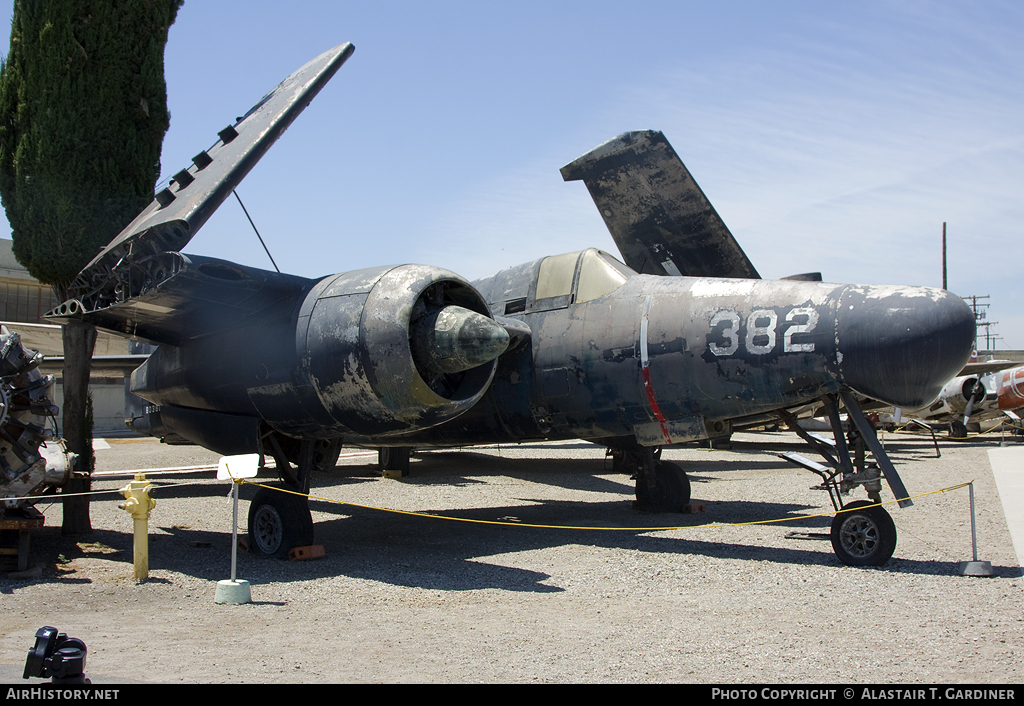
column 83, row 112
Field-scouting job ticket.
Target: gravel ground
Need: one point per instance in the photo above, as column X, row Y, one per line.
column 401, row 598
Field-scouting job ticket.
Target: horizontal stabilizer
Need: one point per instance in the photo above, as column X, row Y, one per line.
column 989, row 366
column 657, row 214
column 195, row 192
column 806, row 277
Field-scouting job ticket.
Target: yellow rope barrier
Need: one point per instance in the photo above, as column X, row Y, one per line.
column 114, row 491
column 1003, row 425
column 523, row 524
column 571, row 527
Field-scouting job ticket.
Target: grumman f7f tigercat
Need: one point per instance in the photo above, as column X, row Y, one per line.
column 677, row 344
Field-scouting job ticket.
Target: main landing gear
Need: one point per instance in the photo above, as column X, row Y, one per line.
column 661, row 486
column 280, row 521
column 863, row 533
column 393, row 461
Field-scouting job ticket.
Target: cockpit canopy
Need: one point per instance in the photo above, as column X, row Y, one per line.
column 578, row 277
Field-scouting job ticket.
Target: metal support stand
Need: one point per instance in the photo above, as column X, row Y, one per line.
column 235, row 591
column 975, row 567
column 234, row 529
column 935, row 442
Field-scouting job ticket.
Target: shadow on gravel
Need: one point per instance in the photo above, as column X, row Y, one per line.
column 448, row 555
column 442, row 554
column 462, row 468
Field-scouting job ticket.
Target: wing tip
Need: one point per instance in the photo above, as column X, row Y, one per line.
column 632, row 141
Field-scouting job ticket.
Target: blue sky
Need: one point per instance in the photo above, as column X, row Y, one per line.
column 833, row 137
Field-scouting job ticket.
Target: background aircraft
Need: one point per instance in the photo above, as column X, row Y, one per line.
column 967, row 400
column 675, row 345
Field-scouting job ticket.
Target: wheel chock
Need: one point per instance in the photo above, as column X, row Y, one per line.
column 315, row 551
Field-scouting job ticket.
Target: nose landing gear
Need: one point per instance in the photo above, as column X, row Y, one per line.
column 863, row 533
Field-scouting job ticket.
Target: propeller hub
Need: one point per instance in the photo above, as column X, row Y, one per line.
column 453, row 339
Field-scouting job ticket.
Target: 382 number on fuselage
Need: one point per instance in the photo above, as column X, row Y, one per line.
column 761, row 328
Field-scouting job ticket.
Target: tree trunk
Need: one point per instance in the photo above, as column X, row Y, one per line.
column 79, row 340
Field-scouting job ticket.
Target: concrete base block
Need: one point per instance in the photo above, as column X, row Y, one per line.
column 233, row 592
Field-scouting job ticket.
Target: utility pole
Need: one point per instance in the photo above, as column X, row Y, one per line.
column 980, row 320
column 944, row 255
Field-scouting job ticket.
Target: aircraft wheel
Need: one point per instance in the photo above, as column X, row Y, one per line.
column 394, row 458
column 325, row 454
column 864, row 536
column 958, row 430
column 278, row 522
column 671, row 493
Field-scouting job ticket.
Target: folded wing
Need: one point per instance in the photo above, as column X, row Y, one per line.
column 113, row 291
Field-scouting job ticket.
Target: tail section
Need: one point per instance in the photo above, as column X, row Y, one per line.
column 657, row 214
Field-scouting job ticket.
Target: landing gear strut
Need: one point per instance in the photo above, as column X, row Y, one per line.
column 957, row 430
column 863, row 533
column 280, row 521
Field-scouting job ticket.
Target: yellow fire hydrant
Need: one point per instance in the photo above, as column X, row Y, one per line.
column 138, row 504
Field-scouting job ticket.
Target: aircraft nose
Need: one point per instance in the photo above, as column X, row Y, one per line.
column 900, row 345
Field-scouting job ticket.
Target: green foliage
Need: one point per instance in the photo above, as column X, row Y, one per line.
column 83, row 112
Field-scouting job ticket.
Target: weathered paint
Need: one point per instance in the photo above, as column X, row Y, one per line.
column 654, row 359
column 180, row 210
column 661, row 221
column 334, row 360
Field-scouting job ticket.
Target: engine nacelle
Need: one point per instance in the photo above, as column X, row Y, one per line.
column 370, row 352
column 955, row 395
column 405, row 348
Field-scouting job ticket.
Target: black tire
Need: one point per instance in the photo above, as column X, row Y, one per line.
column 864, row 535
column 325, row 454
column 671, row 492
column 394, row 458
column 278, row 522
column 957, row 430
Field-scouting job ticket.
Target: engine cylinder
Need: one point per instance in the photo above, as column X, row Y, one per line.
column 30, row 460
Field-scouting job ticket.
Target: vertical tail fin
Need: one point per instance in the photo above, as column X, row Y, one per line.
column 660, row 219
